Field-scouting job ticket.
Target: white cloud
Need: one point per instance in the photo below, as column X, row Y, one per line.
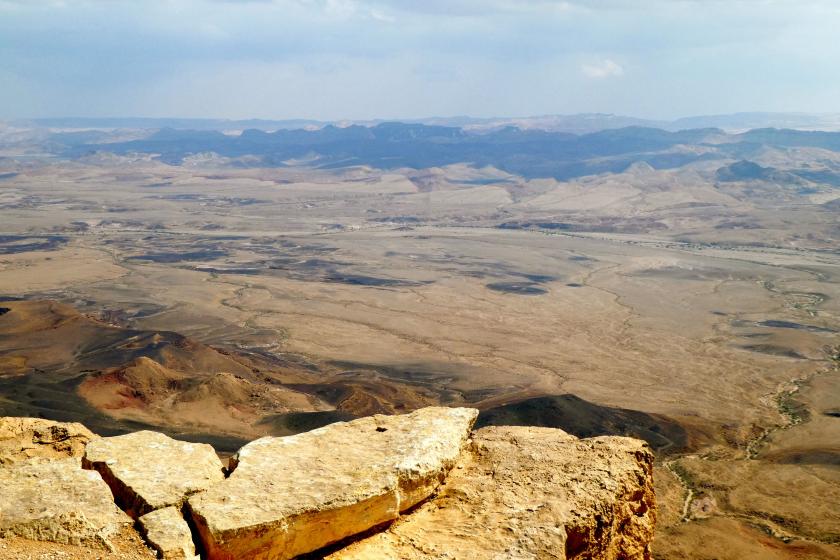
column 341, row 8
column 382, row 16
column 606, row 68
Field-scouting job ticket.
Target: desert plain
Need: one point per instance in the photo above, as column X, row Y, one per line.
column 221, row 303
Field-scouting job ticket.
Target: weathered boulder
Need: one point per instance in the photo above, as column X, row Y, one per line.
column 292, row 495
column 149, row 470
column 26, row 438
column 58, row 501
column 530, row 493
column 166, row 531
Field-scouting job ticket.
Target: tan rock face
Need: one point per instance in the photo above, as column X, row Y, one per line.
column 292, row 495
column 513, row 492
column 167, row 532
column 149, row 470
column 530, row 493
column 26, row 438
column 58, row 501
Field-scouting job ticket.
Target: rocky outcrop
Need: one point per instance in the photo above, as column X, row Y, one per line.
column 416, row 485
column 26, row 438
column 531, row 493
column 58, row 501
column 292, row 495
column 149, row 470
column 167, row 532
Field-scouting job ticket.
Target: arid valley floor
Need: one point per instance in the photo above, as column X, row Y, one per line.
column 223, row 303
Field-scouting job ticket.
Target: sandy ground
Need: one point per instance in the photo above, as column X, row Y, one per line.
column 127, row 546
column 685, row 305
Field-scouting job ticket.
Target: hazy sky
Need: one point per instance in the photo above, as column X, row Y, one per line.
column 357, row 59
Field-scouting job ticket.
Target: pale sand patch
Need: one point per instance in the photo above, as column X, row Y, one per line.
column 52, row 270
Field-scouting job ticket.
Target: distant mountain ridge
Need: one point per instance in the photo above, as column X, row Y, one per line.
column 528, row 153
column 577, row 123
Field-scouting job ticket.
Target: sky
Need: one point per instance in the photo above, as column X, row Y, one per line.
column 365, row 59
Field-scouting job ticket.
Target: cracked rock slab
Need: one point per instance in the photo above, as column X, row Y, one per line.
column 26, row 438
column 148, row 470
column 59, row 502
column 292, row 495
column 529, row 493
column 166, row 531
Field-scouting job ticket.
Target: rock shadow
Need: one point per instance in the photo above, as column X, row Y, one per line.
column 586, row 419
column 298, row 422
column 815, row 456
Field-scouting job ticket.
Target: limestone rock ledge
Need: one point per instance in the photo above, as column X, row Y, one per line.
column 292, row 495
column 167, row 532
column 149, row 470
column 530, row 493
column 58, row 501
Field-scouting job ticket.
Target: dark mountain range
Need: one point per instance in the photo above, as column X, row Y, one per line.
column 745, row 171
column 578, row 123
column 529, row 153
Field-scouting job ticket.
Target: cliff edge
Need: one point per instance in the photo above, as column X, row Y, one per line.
column 417, row 486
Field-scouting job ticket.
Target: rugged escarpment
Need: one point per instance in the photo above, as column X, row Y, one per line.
column 417, row 486
column 530, row 493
